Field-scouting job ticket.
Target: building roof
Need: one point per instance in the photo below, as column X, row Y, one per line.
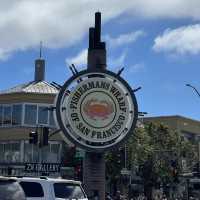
column 37, row 87
column 170, row 117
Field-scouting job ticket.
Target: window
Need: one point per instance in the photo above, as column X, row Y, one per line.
column 49, row 153
column 36, row 152
column 1, row 151
column 28, row 152
column 11, row 151
column 17, row 115
column 30, row 114
column 31, row 152
column 26, row 114
column 29, row 191
column 1, row 115
column 7, row 115
column 43, row 115
column 46, row 155
column 51, row 119
column 55, row 148
column 189, row 136
column 68, row 191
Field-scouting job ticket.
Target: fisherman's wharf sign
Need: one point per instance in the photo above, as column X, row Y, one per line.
column 96, row 109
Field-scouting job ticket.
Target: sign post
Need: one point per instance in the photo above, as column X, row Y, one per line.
column 96, row 109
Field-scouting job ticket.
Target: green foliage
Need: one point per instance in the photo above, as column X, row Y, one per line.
column 114, row 164
column 151, row 151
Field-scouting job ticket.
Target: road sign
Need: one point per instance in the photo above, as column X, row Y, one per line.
column 96, row 109
column 125, row 171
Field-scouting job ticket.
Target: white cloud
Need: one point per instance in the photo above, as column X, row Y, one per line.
column 138, row 67
column 117, row 63
column 182, row 40
column 80, row 59
column 63, row 23
column 124, row 39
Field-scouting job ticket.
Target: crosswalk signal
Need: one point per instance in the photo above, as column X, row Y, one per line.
column 33, row 137
column 45, row 136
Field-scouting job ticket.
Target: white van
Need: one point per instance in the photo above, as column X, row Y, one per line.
column 44, row 188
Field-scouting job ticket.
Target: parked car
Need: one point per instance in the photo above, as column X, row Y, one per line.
column 52, row 189
column 10, row 189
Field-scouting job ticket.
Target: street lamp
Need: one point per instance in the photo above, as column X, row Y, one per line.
column 194, row 89
column 197, row 92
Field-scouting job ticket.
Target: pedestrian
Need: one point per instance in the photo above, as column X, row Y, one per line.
column 118, row 195
column 95, row 195
column 108, row 197
column 164, row 197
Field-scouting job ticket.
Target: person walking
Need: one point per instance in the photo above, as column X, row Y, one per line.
column 118, row 196
column 108, row 197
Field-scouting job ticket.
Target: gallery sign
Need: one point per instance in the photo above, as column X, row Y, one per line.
column 42, row 167
column 96, row 109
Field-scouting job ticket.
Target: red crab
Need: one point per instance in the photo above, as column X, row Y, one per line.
column 100, row 109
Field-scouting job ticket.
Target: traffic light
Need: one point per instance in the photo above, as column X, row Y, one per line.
column 45, row 136
column 33, row 137
column 121, row 156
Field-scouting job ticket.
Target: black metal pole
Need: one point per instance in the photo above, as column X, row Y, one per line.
column 94, row 163
column 198, row 142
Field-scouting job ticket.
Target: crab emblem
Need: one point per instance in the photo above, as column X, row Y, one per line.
column 98, row 109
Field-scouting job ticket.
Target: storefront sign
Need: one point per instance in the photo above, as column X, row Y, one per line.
column 42, row 167
column 96, row 109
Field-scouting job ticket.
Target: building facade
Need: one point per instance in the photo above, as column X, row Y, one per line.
column 188, row 128
column 25, row 108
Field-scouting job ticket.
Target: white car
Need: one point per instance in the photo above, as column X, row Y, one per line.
column 10, row 189
column 51, row 189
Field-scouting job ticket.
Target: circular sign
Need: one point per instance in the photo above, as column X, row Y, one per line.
column 96, row 109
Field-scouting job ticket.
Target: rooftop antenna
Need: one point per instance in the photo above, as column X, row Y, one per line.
column 40, row 49
column 40, row 67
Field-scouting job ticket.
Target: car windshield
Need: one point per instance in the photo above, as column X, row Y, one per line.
column 68, row 191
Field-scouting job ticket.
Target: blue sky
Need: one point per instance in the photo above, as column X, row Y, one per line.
column 157, row 42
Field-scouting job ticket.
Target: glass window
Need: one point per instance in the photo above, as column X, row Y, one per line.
column 1, row 115
column 43, row 115
column 7, row 115
column 29, row 191
column 31, row 153
column 12, row 152
column 17, row 115
column 55, row 152
column 1, row 152
column 30, row 114
column 46, row 156
column 36, row 153
column 55, row 148
column 27, row 152
column 68, row 191
column 51, row 118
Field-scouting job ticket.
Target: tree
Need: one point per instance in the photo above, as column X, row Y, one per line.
column 155, row 152
column 114, row 165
